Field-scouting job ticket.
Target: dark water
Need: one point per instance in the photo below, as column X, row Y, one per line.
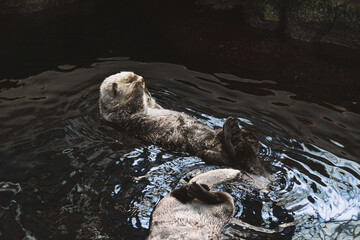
column 66, row 174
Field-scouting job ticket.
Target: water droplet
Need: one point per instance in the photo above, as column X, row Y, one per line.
column 66, row 151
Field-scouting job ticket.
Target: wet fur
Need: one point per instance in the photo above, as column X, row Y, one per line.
column 125, row 101
column 194, row 211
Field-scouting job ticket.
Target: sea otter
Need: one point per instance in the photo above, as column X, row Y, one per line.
column 125, row 101
column 195, row 212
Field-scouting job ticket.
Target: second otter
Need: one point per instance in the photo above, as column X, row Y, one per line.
column 195, row 212
column 125, row 101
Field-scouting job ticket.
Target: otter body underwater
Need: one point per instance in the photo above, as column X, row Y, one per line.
column 125, row 101
column 195, row 212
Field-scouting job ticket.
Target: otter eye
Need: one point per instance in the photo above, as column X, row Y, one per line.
column 129, row 80
column 114, row 89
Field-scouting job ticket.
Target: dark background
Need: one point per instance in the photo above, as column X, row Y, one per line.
column 180, row 32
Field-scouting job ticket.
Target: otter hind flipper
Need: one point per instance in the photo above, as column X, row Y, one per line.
column 246, row 157
column 181, row 194
column 231, row 126
column 184, row 195
column 205, row 186
column 204, row 194
column 250, row 138
column 242, row 147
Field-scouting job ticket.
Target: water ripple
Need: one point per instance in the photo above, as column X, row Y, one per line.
column 66, row 173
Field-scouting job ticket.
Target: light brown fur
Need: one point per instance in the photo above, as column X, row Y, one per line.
column 180, row 215
column 195, row 219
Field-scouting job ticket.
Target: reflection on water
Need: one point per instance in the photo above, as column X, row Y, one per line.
column 67, row 174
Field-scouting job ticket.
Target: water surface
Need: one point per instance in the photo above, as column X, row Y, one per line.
column 67, row 174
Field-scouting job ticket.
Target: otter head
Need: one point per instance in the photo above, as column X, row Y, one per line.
column 122, row 95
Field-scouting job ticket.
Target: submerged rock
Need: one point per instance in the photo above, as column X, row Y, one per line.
column 330, row 21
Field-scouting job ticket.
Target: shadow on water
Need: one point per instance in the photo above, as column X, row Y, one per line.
column 67, row 174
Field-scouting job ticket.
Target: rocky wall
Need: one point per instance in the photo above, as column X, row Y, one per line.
column 326, row 21
column 10, row 7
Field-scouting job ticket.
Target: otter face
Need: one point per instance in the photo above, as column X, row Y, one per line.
column 120, row 87
column 122, row 91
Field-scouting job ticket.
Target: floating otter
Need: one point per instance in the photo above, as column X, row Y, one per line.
column 125, row 101
column 195, row 212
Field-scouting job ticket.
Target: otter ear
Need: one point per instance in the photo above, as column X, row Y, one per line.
column 114, row 89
